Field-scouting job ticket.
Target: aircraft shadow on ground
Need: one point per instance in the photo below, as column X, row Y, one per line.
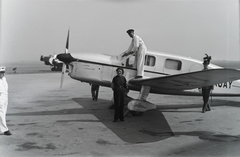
column 150, row 127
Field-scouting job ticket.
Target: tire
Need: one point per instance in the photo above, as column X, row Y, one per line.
column 136, row 113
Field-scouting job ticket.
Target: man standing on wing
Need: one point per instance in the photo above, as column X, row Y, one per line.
column 138, row 48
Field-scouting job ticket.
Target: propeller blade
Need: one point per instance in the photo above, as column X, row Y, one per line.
column 67, row 43
column 63, row 74
column 64, row 65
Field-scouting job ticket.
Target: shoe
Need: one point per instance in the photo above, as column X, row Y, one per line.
column 138, row 77
column 7, row 133
column 203, row 111
column 122, row 120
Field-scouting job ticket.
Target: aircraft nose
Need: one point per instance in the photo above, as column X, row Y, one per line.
column 66, row 58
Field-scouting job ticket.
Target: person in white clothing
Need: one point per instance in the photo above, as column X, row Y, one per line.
column 138, row 48
column 3, row 102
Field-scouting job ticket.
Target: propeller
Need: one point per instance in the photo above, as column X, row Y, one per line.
column 64, row 64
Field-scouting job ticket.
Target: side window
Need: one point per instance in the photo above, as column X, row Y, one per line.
column 150, row 60
column 173, row 64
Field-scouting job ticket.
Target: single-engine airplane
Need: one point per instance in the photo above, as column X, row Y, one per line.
column 163, row 74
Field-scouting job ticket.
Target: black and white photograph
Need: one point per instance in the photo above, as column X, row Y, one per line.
column 119, row 78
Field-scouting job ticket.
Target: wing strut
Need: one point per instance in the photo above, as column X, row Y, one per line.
column 144, row 92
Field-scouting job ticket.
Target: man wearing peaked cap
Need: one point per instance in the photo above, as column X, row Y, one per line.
column 138, row 48
column 130, row 30
column 3, row 102
column 2, row 69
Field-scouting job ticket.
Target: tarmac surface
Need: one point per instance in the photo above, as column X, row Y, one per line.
column 48, row 121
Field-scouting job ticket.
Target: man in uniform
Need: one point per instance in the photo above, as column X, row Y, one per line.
column 138, row 48
column 119, row 86
column 3, row 102
column 207, row 89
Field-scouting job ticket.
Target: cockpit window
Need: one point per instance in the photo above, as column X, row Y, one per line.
column 150, row 60
column 173, row 64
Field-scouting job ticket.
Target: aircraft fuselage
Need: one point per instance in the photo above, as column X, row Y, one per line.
column 100, row 69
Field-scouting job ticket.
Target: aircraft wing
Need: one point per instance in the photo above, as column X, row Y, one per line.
column 190, row 80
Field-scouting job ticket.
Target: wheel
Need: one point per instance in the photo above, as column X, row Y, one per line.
column 136, row 113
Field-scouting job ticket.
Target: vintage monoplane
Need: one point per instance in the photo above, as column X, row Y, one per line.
column 163, row 74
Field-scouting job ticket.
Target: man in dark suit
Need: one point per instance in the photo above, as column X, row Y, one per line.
column 119, row 86
column 207, row 89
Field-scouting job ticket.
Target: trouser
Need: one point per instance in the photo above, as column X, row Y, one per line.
column 95, row 90
column 205, row 94
column 140, row 55
column 119, row 94
column 3, row 111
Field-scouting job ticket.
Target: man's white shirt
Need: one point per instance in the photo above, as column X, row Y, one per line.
column 3, row 86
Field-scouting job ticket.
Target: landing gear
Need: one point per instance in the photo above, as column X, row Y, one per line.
column 136, row 113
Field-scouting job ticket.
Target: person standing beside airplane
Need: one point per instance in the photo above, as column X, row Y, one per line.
column 119, row 86
column 207, row 89
column 94, row 91
column 138, row 48
column 3, row 102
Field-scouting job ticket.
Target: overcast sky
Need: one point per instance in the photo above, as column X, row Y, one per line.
column 31, row 28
